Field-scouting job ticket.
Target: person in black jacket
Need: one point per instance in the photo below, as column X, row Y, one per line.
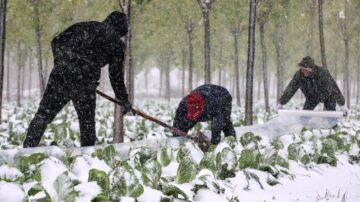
column 317, row 85
column 206, row 103
column 79, row 53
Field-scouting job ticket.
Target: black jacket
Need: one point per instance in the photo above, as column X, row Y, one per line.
column 217, row 109
column 318, row 87
column 85, row 47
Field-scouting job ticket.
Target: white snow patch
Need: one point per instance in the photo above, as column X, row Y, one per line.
column 9, row 173
column 220, row 147
column 11, row 192
column 85, row 163
column 127, row 199
column 74, row 126
column 170, row 170
column 195, row 153
column 307, row 186
column 50, row 169
column 150, row 195
column 205, row 195
column 27, row 186
column 87, row 191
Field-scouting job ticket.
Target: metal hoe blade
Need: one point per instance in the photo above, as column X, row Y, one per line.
column 201, row 140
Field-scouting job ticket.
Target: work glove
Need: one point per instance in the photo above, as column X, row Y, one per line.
column 344, row 110
column 127, row 107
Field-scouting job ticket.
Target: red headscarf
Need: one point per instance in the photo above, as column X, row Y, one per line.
column 195, row 106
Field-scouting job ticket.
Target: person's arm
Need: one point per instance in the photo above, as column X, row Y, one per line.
column 333, row 88
column 179, row 120
column 291, row 89
column 217, row 125
column 116, row 75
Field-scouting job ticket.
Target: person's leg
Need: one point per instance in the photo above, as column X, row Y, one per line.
column 54, row 99
column 228, row 128
column 310, row 105
column 85, row 102
column 330, row 105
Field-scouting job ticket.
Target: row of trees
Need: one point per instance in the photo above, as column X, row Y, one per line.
column 204, row 39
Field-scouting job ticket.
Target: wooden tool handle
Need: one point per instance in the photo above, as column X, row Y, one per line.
column 142, row 114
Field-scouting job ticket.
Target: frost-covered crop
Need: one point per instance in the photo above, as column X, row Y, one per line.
column 251, row 162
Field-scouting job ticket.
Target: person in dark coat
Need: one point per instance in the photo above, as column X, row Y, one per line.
column 317, row 85
column 206, row 103
column 79, row 53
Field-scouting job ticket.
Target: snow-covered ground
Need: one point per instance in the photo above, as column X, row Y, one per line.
column 311, row 165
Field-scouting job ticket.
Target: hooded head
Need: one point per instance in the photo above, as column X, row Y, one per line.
column 307, row 62
column 118, row 21
column 194, row 106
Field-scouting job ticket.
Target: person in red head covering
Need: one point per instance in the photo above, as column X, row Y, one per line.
column 206, row 103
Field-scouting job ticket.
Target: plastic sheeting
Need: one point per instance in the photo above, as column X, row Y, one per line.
column 293, row 121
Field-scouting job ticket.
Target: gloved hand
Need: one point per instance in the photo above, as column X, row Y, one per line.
column 127, row 107
column 344, row 110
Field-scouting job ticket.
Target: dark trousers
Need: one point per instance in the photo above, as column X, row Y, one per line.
column 61, row 88
column 329, row 105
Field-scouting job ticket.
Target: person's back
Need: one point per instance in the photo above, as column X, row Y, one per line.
column 206, row 103
column 90, row 42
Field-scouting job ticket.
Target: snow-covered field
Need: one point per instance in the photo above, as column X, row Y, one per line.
column 316, row 165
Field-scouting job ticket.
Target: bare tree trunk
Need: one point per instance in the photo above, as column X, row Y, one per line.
column 130, row 77
column 250, row 64
column 18, row 86
column 358, row 79
column 279, row 71
column 232, row 85
column 321, row 34
column 38, row 46
column 259, row 89
column 118, row 111
column 207, row 47
column 118, row 124
column 221, row 41
column 345, row 35
column 146, row 79
column 279, row 43
column 46, row 68
column 346, row 68
column 167, row 76
column 264, row 65
column 30, row 75
column 22, row 80
column 161, row 82
column 310, row 45
column 205, row 6
column 335, row 64
column 184, row 54
column 3, row 7
column 236, row 33
column 190, row 28
column 7, row 76
column 220, row 75
column 224, row 76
